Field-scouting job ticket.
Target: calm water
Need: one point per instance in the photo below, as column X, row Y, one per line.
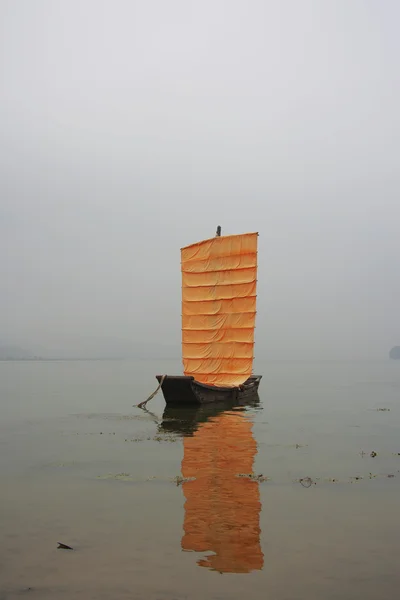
column 80, row 465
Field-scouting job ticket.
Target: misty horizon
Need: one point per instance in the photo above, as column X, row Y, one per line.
column 132, row 129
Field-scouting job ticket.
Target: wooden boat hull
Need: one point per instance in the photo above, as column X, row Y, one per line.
column 184, row 390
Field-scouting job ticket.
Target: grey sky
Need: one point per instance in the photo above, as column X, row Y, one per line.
column 129, row 129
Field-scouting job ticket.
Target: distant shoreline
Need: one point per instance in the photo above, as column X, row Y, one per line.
column 77, row 359
column 170, row 358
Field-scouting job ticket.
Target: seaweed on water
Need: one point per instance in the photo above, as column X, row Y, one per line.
column 117, row 476
column 179, row 480
column 372, row 454
column 164, row 438
column 253, row 476
column 306, row 482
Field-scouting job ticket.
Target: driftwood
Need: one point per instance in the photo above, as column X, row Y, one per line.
column 63, row 546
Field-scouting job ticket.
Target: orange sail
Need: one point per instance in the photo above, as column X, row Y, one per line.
column 219, row 279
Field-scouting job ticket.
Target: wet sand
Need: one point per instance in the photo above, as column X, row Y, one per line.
column 79, row 465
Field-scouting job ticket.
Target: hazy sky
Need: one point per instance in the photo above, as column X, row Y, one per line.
column 131, row 128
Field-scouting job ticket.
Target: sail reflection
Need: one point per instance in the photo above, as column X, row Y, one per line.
column 222, row 510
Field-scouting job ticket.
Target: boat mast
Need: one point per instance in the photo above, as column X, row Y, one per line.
column 218, row 231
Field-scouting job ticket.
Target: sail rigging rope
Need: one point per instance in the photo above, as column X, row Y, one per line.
column 143, row 404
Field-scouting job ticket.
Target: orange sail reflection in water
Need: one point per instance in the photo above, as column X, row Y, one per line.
column 222, row 510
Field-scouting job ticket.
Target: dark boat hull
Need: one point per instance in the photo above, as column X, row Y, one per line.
column 183, row 390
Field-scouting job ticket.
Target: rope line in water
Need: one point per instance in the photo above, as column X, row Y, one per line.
column 143, row 404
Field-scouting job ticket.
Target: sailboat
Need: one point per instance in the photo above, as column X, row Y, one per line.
column 219, row 281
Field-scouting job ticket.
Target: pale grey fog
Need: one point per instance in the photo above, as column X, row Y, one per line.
column 130, row 129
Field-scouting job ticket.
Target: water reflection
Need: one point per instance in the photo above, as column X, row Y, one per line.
column 222, row 510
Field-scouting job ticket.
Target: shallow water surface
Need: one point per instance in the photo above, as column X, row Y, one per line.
column 282, row 500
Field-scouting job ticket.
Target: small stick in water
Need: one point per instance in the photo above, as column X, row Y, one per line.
column 63, row 546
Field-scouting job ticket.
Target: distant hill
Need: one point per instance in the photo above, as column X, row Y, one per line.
column 394, row 354
column 14, row 353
